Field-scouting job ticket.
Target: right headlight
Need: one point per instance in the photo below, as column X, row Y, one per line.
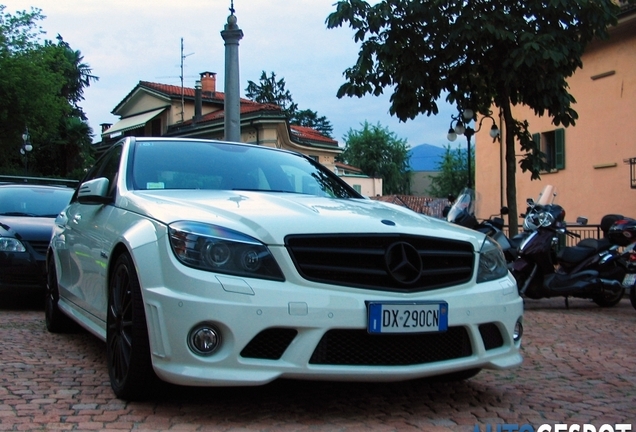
column 217, row 249
column 10, row 244
column 492, row 263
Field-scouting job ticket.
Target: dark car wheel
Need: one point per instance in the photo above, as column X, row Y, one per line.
column 127, row 346
column 56, row 320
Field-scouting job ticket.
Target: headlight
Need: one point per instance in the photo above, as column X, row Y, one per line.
column 492, row 263
column 216, row 249
column 10, row 244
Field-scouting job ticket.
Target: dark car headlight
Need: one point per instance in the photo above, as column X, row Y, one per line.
column 10, row 244
column 492, row 263
column 217, row 249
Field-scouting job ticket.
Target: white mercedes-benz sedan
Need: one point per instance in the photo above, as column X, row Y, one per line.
column 207, row 263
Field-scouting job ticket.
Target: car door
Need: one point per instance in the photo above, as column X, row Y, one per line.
column 84, row 261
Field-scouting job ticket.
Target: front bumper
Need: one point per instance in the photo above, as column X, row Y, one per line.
column 21, row 271
column 304, row 330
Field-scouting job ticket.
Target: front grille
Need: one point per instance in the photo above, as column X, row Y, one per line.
column 39, row 246
column 269, row 344
column 491, row 336
column 366, row 261
column 357, row 347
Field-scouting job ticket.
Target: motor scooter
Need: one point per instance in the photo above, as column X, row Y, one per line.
column 462, row 212
column 623, row 233
column 592, row 269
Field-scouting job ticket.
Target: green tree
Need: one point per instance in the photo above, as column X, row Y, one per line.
column 271, row 90
column 379, row 153
column 41, row 84
column 477, row 54
column 453, row 173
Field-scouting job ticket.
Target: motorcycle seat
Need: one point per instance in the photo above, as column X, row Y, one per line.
column 597, row 244
column 575, row 254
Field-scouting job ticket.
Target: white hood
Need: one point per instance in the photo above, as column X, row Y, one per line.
column 269, row 216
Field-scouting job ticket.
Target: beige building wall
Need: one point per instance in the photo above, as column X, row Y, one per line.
column 596, row 178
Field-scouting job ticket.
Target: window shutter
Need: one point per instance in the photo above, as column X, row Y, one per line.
column 536, row 138
column 559, row 149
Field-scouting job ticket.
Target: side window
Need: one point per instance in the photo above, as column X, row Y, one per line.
column 107, row 166
column 552, row 144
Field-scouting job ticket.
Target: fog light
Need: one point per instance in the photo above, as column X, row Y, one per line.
column 518, row 331
column 204, row 340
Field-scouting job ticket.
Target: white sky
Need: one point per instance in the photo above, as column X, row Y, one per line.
column 127, row 41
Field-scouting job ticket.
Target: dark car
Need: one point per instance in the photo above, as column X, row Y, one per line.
column 27, row 215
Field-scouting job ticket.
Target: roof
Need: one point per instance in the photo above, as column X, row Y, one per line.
column 310, row 134
column 247, row 106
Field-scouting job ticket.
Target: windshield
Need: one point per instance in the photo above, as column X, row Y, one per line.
column 547, row 195
column 462, row 211
column 33, row 201
column 226, row 166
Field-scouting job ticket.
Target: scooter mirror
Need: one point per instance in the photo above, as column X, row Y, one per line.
column 504, row 210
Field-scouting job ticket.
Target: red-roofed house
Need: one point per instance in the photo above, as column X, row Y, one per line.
column 153, row 109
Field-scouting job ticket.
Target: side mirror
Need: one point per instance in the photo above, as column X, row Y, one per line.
column 530, row 202
column 94, row 191
column 504, row 210
column 581, row 220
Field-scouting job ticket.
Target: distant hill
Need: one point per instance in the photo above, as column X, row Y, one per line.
column 425, row 157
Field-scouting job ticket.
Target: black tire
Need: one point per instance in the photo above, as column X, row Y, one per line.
column 609, row 299
column 127, row 348
column 632, row 295
column 56, row 320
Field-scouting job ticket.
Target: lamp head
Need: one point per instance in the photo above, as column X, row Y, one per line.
column 452, row 136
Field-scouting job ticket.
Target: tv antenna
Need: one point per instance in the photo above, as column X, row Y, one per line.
column 183, row 57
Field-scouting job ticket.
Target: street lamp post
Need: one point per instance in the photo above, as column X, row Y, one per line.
column 25, row 149
column 462, row 127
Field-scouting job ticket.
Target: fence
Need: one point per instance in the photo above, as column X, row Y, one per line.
column 585, row 231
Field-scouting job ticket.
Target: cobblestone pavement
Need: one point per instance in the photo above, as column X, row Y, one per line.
column 579, row 368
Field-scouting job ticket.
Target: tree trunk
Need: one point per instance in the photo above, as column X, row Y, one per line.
column 511, row 170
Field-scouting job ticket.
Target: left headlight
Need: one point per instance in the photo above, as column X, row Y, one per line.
column 217, row 249
column 10, row 244
column 492, row 263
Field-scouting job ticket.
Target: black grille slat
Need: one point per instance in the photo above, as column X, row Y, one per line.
column 357, row 347
column 39, row 246
column 359, row 260
column 269, row 344
column 491, row 336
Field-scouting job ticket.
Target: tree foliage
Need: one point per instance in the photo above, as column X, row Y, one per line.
column 379, row 153
column 41, row 84
column 271, row 90
column 476, row 54
column 453, row 173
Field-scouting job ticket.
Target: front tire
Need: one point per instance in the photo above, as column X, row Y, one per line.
column 127, row 348
column 632, row 295
column 56, row 320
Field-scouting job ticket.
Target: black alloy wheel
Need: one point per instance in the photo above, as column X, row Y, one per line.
column 127, row 347
column 56, row 320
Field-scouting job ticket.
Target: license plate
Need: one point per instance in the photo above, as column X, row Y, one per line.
column 630, row 280
column 412, row 317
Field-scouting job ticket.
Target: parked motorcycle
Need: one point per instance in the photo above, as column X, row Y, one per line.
column 462, row 212
column 592, row 269
column 623, row 233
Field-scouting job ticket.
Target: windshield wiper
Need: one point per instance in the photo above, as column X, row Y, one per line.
column 18, row 214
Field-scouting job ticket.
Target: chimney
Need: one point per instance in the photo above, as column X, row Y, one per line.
column 198, row 105
column 208, row 83
column 105, row 126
